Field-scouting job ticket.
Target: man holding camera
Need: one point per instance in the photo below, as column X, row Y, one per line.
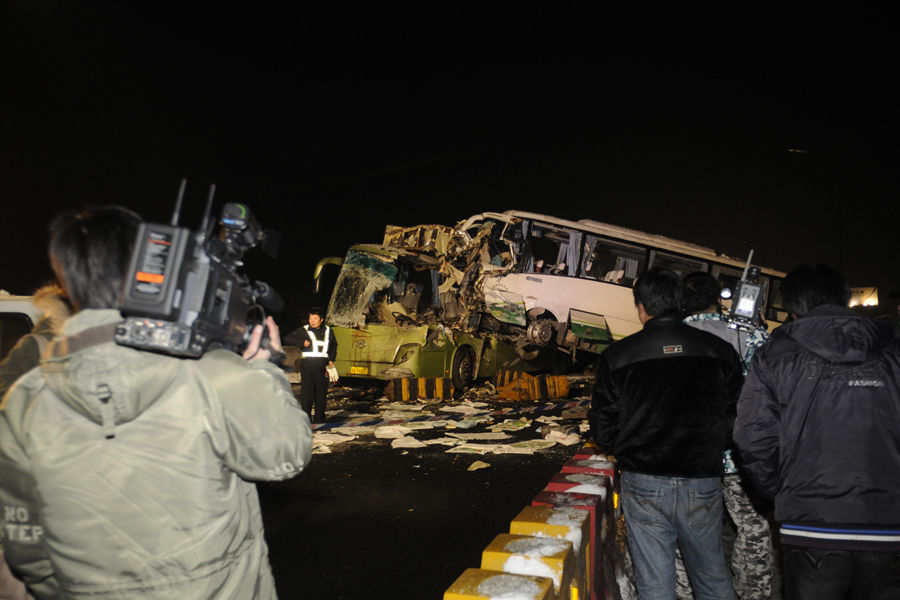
column 133, row 470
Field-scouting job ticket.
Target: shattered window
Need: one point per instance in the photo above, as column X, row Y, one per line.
column 362, row 278
column 551, row 250
column 615, row 262
column 680, row 264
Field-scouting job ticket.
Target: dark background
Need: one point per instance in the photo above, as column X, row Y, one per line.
column 774, row 131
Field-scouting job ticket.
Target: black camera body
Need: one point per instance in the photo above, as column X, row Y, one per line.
column 747, row 300
column 185, row 292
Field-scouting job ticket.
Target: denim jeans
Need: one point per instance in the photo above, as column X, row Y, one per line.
column 817, row 574
column 661, row 512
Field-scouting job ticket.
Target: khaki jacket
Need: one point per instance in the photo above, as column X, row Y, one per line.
column 133, row 470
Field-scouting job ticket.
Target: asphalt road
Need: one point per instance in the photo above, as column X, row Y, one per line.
column 370, row 521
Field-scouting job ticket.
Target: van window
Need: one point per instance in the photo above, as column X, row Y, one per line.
column 12, row 327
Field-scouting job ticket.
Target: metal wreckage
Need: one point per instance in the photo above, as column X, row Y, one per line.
column 434, row 301
column 502, row 291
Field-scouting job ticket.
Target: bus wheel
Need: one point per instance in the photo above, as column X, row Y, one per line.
column 463, row 372
column 540, row 331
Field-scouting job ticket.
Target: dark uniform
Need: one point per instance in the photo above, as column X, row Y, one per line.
column 313, row 377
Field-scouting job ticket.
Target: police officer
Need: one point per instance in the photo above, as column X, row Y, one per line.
column 319, row 351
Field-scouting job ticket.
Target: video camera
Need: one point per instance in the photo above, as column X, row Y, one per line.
column 747, row 299
column 184, row 292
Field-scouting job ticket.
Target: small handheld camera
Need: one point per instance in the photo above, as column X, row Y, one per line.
column 747, row 299
column 184, row 292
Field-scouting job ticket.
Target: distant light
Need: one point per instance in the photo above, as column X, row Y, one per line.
column 798, row 150
column 864, row 296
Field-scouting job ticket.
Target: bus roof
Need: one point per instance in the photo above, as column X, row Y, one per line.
column 621, row 233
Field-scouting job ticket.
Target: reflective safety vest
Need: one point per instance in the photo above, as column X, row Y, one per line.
column 317, row 349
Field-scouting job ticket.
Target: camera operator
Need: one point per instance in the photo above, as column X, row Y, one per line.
column 133, row 470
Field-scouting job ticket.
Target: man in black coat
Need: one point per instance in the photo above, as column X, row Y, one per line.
column 663, row 404
column 818, row 430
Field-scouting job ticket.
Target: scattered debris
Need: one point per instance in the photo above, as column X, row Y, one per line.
column 472, row 449
column 391, row 431
column 478, row 464
column 495, row 435
column 495, row 428
column 567, row 435
column 407, row 442
column 511, row 425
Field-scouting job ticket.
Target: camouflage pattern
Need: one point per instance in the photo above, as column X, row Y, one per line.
column 752, row 562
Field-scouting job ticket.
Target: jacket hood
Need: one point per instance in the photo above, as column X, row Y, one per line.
column 837, row 334
column 107, row 383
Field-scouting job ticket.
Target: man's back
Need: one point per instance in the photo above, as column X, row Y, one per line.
column 140, row 467
column 664, row 400
column 819, row 420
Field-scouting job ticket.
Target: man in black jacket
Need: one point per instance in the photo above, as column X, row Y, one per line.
column 818, row 430
column 663, row 404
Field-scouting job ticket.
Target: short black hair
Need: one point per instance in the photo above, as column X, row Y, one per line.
column 807, row 286
column 701, row 290
column 90, row 251
column 317, row 310
column 660, row 291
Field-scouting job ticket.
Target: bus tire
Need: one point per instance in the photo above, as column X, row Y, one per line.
column 463, row 371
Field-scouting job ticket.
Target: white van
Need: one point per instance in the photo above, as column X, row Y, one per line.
column 18, row 314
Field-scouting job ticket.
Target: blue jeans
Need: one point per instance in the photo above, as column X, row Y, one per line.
column 816, row 574
column 661, row 512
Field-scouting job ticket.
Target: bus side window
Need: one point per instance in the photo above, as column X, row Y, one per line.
column 680, row 264
column 615, row 262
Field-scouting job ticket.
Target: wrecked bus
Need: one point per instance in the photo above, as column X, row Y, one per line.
column 568, row 283
column 391, row 319
column 503, row 290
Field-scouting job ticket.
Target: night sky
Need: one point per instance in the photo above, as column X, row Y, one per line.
column 775, row 132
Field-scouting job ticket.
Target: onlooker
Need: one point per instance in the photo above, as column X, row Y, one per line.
column 817, row 429
column 663, row 404
column 134, row 469
column 751, row 555
column 318, row 354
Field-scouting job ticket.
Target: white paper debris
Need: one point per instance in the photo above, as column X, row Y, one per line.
column 354, row 430
column 404, row 415
column 443, row 441
column 407, row 442
column 325, row 438
column 478, row 464
column 488, row 435
column 391, row 431
column 511, row 425
column 533, row 444
column 472, row 448
column 464, row 409
column 566, row 439
column 401, row 406
column 467, row 423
